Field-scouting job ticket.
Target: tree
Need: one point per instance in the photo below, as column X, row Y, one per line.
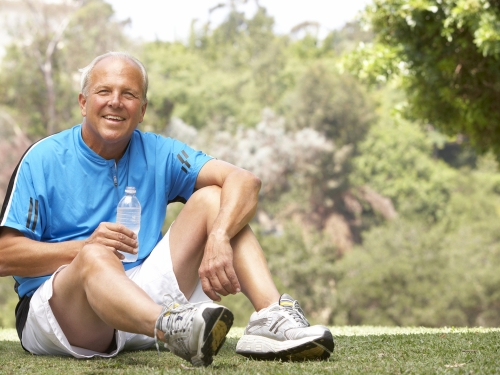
column 13, row 143
column 396, row 159
column 39, row 68
column 305, row 175
column 45, row 56
column 445, row 54
column 45, row 29
column 335, row 105
column 226, row 75
column 223, row 79
column 407, row 273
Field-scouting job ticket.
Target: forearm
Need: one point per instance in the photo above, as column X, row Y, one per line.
column 239, row 198
column 238, row 204
column 21, row 256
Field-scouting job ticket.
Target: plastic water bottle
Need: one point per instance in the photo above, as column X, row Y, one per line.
column 128, row 213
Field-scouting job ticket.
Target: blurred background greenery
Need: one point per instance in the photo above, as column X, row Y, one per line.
column 377, row 144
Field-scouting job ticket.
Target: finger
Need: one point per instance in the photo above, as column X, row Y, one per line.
column 114, row 232
column 233, row 279
column 119, row 255
column 217, row 286
column 225, row 283
column 123, row 247
column 128, row 241
column 122, row 229
column 207, row 288
column 117, row 240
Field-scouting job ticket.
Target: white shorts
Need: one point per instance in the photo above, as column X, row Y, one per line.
column 42, row 334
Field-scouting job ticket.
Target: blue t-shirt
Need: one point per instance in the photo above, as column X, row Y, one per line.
column 62, row 190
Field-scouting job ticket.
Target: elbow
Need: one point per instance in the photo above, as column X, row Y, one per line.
column 5, row 267
column 4, row 271
column 3, row 262
column 6, row 251
column 254, row 182
column 257, row 183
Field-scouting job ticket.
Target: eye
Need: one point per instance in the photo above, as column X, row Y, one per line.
column 130, row 95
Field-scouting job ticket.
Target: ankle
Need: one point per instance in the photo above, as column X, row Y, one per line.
column 266, row 301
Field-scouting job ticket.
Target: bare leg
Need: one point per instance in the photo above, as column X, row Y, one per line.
column 251, row 268
column 188, row 236
column 93, row 296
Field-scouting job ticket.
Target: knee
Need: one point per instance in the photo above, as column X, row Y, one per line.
column 94, row 255
column 207, row 197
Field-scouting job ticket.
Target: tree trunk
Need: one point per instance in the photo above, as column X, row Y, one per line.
column 51, row 97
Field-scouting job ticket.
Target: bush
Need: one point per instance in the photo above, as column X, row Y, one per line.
column 409, row 273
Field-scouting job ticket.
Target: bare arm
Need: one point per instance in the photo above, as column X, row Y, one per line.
column 22, row 256
column 239, row 198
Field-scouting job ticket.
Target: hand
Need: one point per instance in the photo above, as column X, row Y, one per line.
column 216, row 271
column 115, row 237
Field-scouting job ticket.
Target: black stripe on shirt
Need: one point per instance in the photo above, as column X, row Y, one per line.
column 10, row 187
column 8, row 193
column 36, row 216
column 28, row 221
column 185, row 162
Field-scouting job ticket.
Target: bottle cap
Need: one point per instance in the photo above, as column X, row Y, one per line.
column 130, row 190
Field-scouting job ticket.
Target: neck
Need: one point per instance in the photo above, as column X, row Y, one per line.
column 107, row 149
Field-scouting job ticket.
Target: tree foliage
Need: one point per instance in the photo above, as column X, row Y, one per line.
column 39, row 72
column 327, row 101
column 13, row 143
column 397, row 160
column 223, row 75
column 445, row 54
column 359, row 217
column 223, row 79
column 411, row 274
column 434, row 265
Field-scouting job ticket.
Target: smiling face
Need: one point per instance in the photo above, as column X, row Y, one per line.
column 113, row 106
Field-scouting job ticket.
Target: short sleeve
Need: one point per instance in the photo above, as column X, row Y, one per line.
column 24, row 207
column 183, row 168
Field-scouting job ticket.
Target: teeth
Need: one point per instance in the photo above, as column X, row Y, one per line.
column 114, row 118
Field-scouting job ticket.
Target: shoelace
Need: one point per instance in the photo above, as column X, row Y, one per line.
column 175, row 325
column 296, row 313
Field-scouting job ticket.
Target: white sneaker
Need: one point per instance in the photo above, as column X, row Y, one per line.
column 194, row 332
column 282, row 332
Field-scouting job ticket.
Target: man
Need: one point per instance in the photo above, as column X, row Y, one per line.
column 59, row 239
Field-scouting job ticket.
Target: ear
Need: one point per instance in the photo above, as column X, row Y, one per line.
column 143, row 111
column 83, row 101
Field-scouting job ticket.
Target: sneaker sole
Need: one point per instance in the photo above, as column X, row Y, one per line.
column 218, row 321
column 263, row 348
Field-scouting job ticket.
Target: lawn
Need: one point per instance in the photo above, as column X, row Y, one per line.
column 359, row 350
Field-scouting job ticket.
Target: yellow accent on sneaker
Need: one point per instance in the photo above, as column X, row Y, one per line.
column 176, row 305
column 219, row 335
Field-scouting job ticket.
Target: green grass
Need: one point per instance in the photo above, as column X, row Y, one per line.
column 359, row 350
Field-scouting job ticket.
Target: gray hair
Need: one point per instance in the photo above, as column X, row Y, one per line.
column 87, row 71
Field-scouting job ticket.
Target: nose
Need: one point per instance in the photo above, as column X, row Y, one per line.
column 114, row 100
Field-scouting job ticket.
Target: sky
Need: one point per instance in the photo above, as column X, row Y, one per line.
column 169, row 20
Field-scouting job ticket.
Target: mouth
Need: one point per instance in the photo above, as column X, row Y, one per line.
column 114, row 118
